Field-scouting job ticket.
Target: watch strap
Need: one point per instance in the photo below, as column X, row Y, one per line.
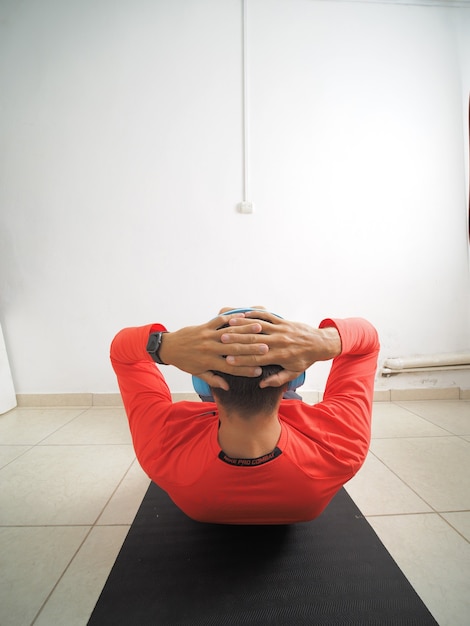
column 153, row 346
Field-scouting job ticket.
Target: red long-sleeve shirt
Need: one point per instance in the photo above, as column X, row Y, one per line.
column 320, row 447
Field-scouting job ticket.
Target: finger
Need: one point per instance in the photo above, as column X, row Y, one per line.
column 248, row 360
column 214, row 381
column 242, row 325
column 250, row 371
column 223, row 320
column 264, row 315
column 279, row 379
column 242, row 334
column 252, row 352
column 239, row 322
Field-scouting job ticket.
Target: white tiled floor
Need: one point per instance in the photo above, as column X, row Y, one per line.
column 70, row 487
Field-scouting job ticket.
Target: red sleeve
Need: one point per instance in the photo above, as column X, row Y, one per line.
column 130, row 344
column 145, row 393
column 349, row 392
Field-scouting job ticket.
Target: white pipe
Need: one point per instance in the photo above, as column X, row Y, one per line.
column 429, row 360
column 440, row 368
column 427, row 363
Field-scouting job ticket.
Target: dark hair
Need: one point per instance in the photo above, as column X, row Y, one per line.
column 245, row 396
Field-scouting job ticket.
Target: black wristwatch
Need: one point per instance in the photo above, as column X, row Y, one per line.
column 153, row 346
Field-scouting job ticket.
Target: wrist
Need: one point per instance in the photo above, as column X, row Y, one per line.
column 165, row 351
column 331, row 340
column 154, row 345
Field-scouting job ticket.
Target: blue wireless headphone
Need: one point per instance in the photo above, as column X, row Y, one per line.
column 203, row 389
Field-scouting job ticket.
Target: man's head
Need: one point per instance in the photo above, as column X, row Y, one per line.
column 245, row 397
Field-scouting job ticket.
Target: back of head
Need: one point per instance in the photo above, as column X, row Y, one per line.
column 245, row 397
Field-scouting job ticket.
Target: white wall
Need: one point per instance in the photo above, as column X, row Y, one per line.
column 121, row 167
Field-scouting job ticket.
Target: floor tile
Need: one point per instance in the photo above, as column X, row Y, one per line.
column 10, row 453
column 123, row 506
column 61, row 484
column 75, row 466
column 32, row 561
column 454, row 416
column 378, row 491
column 30, row 426
column 390, row 420
column 94, row 426
column 460, row 520
column 437, row 468
column 74, row 598
column 434, row 558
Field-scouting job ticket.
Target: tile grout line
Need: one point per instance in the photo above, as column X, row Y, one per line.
column 82, row 543
column 95, row 523
column 60, row 427
column 433, row 510
column 426, row 419
column 54, row 587
column 29, row 448
column 450, row 525
column 424, row 513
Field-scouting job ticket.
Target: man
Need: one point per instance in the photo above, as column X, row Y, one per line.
column 249, row 457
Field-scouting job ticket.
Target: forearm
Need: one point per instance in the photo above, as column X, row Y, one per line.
column 353, row 372
column 357, row 335
column 326, row 344
column 129, row 345
column 293, row 345
column 346, row 408
column 197, row 350
column 141, row 383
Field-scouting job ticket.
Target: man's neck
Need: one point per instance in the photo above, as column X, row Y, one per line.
column 248, row 438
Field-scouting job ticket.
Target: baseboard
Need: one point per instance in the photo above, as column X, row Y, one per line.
column 311, row 397
column 68, row 399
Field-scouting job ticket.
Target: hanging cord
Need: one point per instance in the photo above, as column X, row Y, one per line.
column 246, row 206
column 245, row 102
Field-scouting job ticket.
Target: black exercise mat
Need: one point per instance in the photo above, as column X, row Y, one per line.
column 173, row 571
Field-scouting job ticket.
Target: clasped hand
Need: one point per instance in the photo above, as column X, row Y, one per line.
column 246, row 344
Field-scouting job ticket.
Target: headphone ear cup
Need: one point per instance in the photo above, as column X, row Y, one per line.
column 296, row 383
column 201, row 387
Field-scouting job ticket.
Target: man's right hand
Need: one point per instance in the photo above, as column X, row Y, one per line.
column 293, row 345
